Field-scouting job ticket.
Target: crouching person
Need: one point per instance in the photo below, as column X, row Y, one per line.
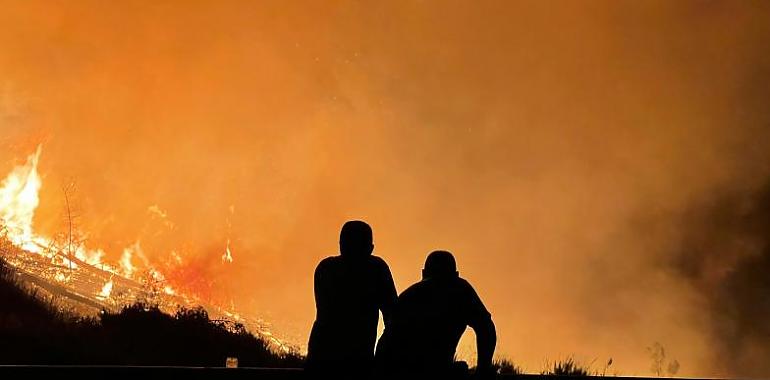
column 427, row 323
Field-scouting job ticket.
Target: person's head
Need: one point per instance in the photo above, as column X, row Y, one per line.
column 356, row 239
column 440, row 264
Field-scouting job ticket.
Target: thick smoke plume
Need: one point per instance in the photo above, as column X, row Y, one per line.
column 725, row 253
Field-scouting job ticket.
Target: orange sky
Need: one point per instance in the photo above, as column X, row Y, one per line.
column 530, row 138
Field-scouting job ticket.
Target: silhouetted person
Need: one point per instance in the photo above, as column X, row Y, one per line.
column 429, row 319
column 350, row 291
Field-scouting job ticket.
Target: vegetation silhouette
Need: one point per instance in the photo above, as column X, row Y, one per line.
column 36, row 332
column 567, row 367
column 505, row 367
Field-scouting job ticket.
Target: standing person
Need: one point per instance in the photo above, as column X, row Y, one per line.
column 350, row 291
column 429, row 319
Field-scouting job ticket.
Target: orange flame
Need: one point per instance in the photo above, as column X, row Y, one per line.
column 18, row 202
column 227, row 257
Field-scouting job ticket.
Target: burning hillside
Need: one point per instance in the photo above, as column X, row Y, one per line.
column 77, row 276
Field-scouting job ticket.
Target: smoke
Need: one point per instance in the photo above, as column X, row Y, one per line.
column 596, row 168
column 725, row 253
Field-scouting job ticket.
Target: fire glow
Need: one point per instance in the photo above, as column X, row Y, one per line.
column 79, row 273
column 18, row 201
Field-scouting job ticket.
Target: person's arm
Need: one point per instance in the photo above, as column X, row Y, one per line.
column 320, row 289
column 480, row 320
column 486, row 340
column 389, row 295
column 317, row 338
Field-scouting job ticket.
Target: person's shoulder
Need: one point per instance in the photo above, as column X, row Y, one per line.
column 327, row 262
column 464, row 286
column 413, row 290
column 469, row 293
column 378, row 262
column 420, row 287
column 463, row 282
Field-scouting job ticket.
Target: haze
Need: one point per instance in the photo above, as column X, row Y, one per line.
column 574, row 156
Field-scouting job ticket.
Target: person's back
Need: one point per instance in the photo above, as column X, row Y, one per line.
column 429, row 319
column 350, row 291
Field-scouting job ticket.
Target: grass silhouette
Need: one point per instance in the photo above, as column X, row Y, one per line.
column 567, row 367
column 504, row 366
column 35, row 331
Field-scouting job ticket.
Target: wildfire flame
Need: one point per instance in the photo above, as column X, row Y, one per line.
column 18, row 201
column 106, row 290
column 86, row 274
column 126, row 267
column 227, row 257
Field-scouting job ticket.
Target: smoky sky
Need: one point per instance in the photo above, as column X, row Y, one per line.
column 596, row 167
column 724, row 252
